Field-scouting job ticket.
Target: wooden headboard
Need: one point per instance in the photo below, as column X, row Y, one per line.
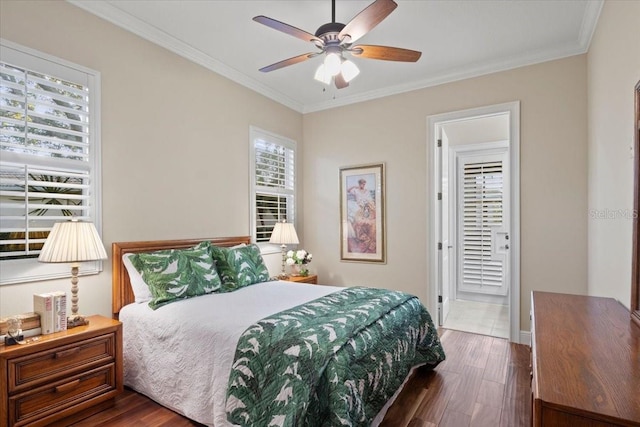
column 122, row 294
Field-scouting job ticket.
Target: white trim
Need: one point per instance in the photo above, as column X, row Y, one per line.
column 124, row 20
column 148, row 32
column 513, row 108
column 30, row 270
column 449, row 77
column 254, row 132
column 525, row 338
column 589, row 23
column 59, row 61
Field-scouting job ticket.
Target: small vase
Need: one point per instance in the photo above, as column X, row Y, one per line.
column 299, row 270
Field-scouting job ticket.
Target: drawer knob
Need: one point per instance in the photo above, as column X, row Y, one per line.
column 67, row 353
column 68, row 386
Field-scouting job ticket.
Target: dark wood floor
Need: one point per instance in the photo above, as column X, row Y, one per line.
column 484, row 382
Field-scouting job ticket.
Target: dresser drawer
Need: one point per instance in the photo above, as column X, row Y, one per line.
column 49, row 365
column 62, row 396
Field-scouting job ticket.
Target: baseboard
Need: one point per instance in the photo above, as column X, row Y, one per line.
column 525, row 338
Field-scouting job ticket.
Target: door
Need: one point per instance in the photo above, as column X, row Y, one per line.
column 483, row 225
column 445, row 238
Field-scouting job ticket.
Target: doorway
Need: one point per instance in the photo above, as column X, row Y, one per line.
column 474, row 220
column 480, row 216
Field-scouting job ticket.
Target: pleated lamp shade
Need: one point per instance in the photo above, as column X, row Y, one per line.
column 284, row 234
column 73, row 241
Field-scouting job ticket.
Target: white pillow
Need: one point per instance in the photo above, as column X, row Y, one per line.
column 140, row 288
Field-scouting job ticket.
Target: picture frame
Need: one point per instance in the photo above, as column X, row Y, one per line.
column 362, row 213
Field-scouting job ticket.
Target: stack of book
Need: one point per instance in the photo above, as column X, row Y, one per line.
column 30, row 325
column 52, row 308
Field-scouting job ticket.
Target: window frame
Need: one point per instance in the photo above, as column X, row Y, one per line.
column 15, row 271
column 255, row 133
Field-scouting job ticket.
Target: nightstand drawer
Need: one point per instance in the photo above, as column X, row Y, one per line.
column 312, row 279
column 47, row 366
column 61, row 396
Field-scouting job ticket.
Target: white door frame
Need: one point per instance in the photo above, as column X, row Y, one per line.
column 444, row 257
column 433, row 122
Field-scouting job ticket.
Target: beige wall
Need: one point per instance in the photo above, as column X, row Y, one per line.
column 613, row 71
column 175, row 150
column 393, row 130
column 195, row 137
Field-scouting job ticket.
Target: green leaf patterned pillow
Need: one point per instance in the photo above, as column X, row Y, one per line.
column 176, row 274
column 240, row 266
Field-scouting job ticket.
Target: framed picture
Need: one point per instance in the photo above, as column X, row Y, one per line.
column 362, row 222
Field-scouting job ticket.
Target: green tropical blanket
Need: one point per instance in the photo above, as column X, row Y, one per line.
column 332, row 361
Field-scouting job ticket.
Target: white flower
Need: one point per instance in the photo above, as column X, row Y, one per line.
column 298, row 257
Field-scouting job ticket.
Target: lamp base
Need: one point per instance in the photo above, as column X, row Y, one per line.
column 283, row 276
column 76, row 320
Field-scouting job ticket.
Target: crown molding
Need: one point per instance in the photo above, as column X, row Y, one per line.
column 451, row 76
column 122, row 19
column 587, row 29
column 589, row 23
column 148, row 32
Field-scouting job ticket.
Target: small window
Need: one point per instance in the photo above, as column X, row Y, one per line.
column 273, row 182
column 49, row 157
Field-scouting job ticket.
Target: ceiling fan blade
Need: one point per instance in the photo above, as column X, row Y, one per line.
column 287, row 62
column 288, row 29
column 385, row 53
column 340, row 82
column 366, row 20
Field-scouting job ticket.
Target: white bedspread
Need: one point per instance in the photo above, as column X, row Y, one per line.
column 181, row 354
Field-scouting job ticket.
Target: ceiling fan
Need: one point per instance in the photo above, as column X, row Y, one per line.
column 335, row 39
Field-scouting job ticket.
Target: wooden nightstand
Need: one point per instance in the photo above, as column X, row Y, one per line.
column 312, row 278
column 70, row 374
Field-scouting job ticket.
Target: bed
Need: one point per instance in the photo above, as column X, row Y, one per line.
column 215, row 358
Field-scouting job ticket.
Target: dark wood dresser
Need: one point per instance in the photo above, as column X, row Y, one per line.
column 585, row 362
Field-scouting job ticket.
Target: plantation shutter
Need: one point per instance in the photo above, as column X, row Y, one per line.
column 46, row 171
column 274, row 185
column 482, row 192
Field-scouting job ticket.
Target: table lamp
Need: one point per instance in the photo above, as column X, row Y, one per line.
column 284, row 234
column 73, row 242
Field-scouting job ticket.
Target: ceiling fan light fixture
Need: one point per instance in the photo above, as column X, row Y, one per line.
column 349, row 70
column 322, row 75
column 334, row 39
column 333, row 63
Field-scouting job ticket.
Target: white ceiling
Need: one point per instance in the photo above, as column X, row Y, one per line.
column 458, row 39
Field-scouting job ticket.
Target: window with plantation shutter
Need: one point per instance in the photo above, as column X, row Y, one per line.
column 273, row 182
column 481, row 189
column 49, row 157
